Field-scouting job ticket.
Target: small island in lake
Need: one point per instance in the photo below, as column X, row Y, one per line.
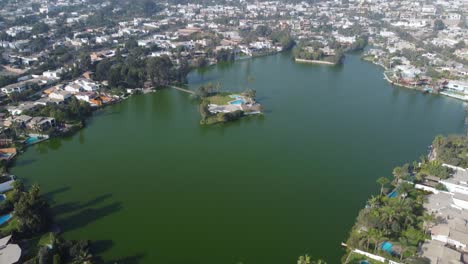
column 317, row 53
column 220, row 107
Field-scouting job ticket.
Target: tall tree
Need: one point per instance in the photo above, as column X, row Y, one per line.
column 382, row 181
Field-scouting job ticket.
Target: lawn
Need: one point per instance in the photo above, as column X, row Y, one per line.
column 9, row 226
column 45, row 239
column 35, row 243
column 219, row 99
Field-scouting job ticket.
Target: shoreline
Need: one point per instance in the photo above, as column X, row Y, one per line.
column 314, row 61
column 416, row 88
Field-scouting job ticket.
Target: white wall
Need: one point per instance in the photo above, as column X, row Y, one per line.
column 461, row 203
column 455, row 188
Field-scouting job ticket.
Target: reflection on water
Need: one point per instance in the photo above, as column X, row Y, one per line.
column 151, row 185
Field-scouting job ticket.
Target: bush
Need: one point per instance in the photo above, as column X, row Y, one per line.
column 441, row 187
column 6, row 207
column 452, row 150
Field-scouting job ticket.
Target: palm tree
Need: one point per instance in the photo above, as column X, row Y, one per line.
column 319, row 261
column 388, row 216
column 382, row 181
column 397, row 173
column 417, row 77
column 374, row 201
column 399, row 74
column 404, row 189
column 372, row 236
column 304, row 259
column 218, row 87
column 427, row 219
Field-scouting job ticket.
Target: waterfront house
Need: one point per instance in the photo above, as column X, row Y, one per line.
column 407, row 72
column 86, row 96
column 451, row 227
column 438, row 201
column 7, row 153
column 21, row 120
column 9, row 253
column 444, row 233
column 41, row 123
column 457, row 86
column 437, row 252
column 458, row 183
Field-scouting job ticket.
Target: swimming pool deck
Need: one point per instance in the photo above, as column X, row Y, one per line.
column 37, row 140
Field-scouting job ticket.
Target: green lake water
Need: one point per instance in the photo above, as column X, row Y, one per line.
column 150, row 185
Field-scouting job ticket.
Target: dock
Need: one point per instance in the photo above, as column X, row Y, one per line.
column 182, row 89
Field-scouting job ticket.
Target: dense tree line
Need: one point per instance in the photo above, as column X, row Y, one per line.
column 452, row 150
column 134, row 71
column 73, row 110
column 399, row 220
column 225, row 55
column 359, row 44
column 281, row 37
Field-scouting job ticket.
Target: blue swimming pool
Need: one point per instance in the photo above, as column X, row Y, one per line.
column 235, row 96
column 387, row 246
column 5, row 218
column 237, row 102
column 31, row 140
column 393, row 194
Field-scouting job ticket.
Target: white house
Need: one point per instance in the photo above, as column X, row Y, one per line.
column 73, row 88
column 84, row 85
column 458, row 183
column 457, row 86
column 60, row 95
column 54, row 75
column 6, row 186
column 9, row 253
column 461, row 200
column 14, row 88
column 85, row 96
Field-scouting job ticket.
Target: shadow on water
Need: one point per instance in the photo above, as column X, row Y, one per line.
column 101, row 246
column 24, row 162
column 50, row 195
column 69, row 207
column 84, row 217
column 135, row 259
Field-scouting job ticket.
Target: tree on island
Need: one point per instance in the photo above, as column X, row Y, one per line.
column 250, row 92
column 382, row 181
column 400, row 173
column 307, row 260
column 208, row 89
